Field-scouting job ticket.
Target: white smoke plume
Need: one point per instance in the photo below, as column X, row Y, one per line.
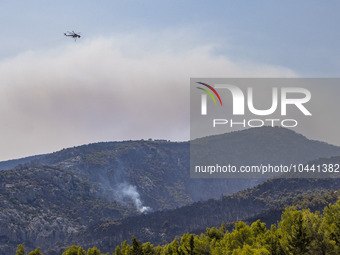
column 128, row 191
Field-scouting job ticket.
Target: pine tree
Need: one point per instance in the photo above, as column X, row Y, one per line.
column 136, row 248
column 118, row 251
column 75, row 250
column 20, row 250
column 299, row 240
column 36, row 252
column 332, row 220
column 93, row 251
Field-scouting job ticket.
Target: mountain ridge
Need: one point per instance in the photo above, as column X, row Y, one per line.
column 85, row 186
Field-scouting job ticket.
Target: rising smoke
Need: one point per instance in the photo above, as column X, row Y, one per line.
column 127, row 191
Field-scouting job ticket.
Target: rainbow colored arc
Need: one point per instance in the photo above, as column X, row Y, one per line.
column 209, row 93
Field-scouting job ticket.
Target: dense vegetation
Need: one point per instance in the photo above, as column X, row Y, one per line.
column 298, row 232
column 266, row 202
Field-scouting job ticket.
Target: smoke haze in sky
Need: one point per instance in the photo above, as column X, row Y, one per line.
column 106, row 89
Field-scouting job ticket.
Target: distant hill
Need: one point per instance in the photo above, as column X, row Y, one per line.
column 256, row 146
column 10, row 164
column 159, row 169
column 51, row 197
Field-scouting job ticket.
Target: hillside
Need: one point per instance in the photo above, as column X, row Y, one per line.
column 256, row 146
column 61, row 196
column 43, row 205
column 297, row 232
column 265, row 201
column 159, row 169
column 10, row 164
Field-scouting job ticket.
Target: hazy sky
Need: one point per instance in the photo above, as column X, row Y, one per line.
column 128, row 76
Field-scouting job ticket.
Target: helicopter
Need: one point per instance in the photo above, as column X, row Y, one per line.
column 73, row 35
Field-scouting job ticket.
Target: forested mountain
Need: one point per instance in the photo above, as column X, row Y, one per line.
column 53, row 199
column 265, row 201
column 159, row 169
column 261, row 145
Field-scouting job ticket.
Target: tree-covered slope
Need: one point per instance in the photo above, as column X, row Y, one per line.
column 98, row 186
column 300, row 232
column 265, row 201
